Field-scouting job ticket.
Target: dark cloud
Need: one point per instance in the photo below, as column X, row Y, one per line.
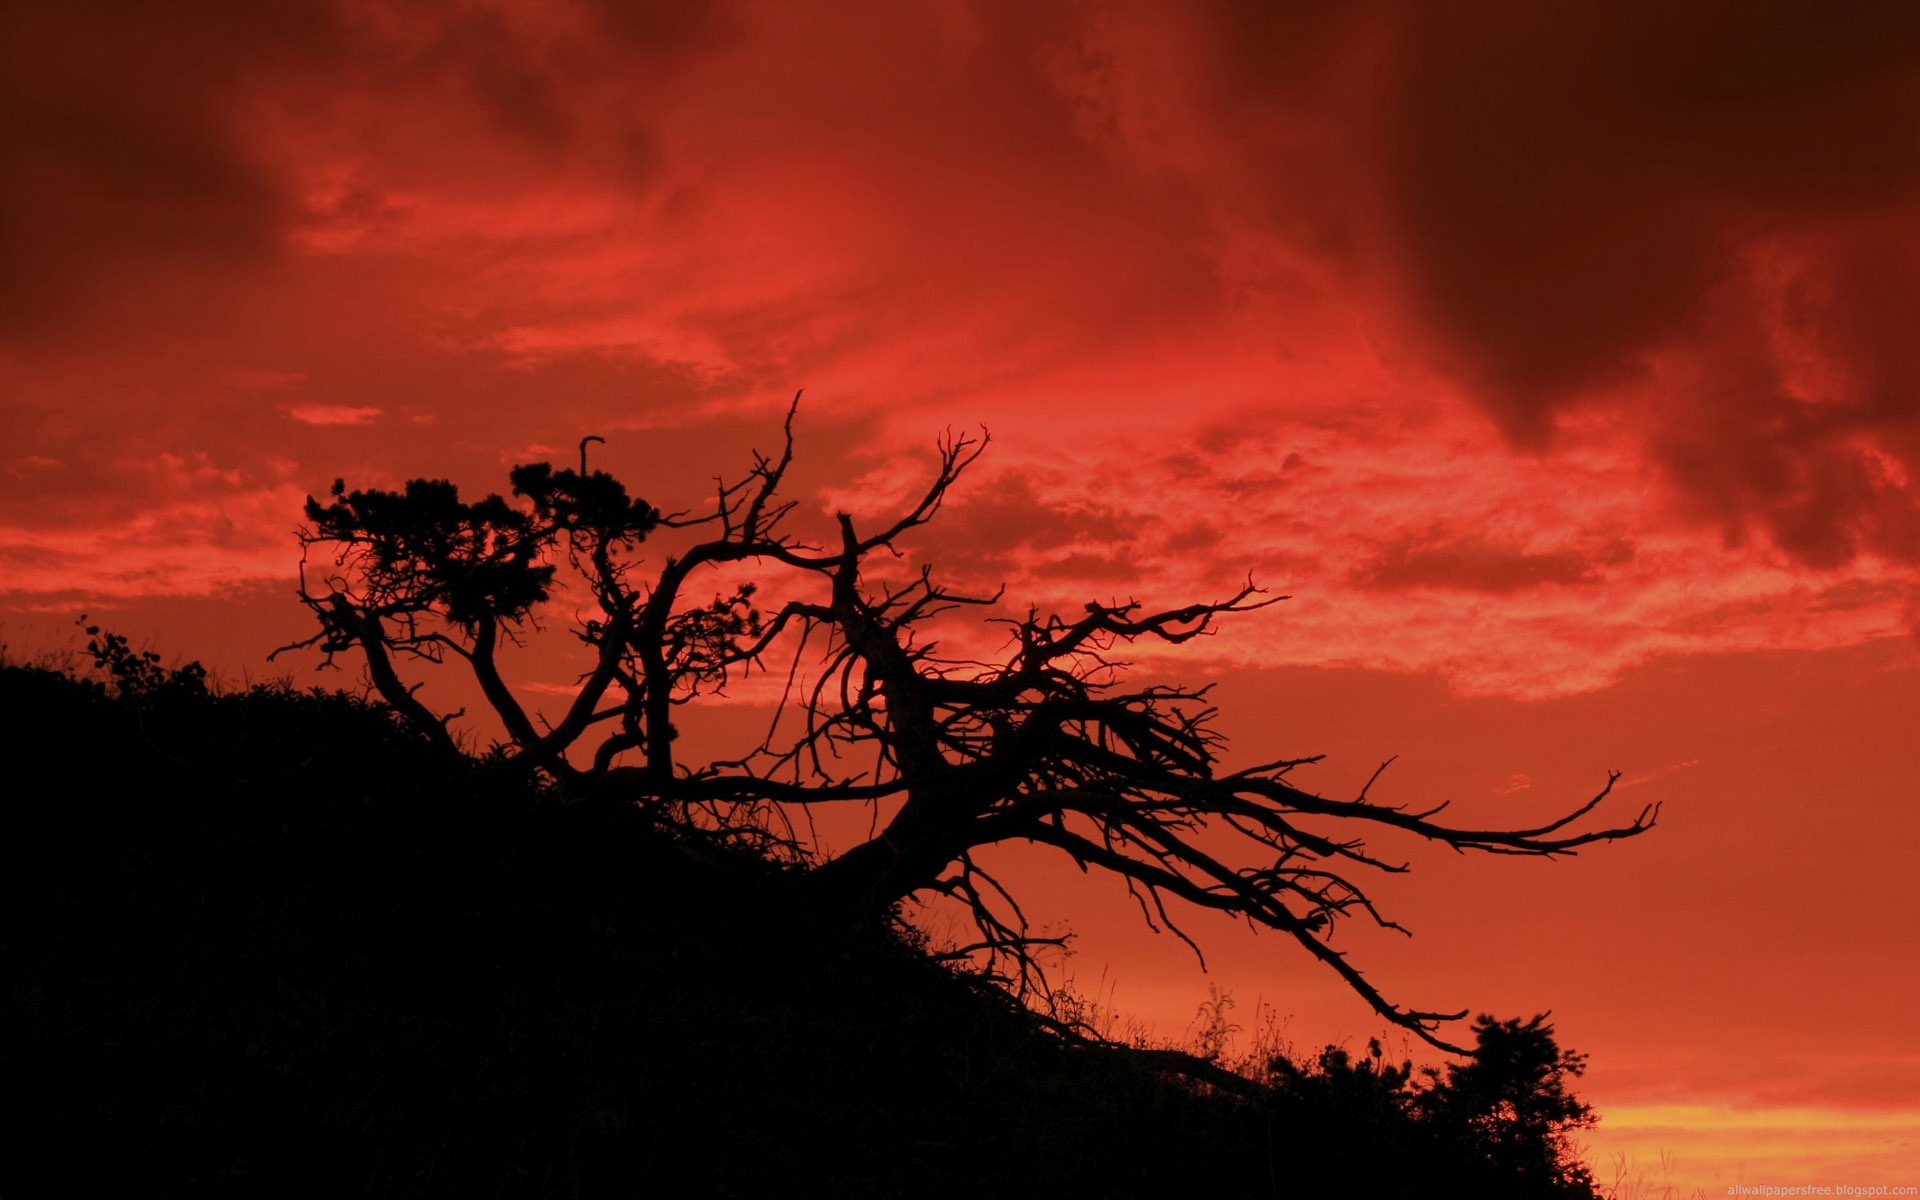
column 1822, row 464
column 136, row 172
column 1571, row 178
column 119, row 143
column 538, row 77
column 1574, row 192
column 667, row 29
column 994, row 524
column 1471, row 562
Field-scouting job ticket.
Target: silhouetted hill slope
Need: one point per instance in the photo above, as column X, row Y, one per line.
column 268, row 943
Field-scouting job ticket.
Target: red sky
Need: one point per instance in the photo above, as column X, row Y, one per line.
column 1556, row 359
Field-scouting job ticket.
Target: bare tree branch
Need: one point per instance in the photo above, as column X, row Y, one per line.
column 1041, row 745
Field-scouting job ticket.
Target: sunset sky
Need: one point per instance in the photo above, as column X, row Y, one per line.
column 1558, row 360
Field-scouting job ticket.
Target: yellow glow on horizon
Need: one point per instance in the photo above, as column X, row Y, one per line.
column 1679, row 1149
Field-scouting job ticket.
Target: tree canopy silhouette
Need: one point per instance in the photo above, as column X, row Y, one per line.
column 1045, row 743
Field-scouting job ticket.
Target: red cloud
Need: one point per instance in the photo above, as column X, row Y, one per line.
column 332, row 414
column 1438, row 558
column 1237, row 287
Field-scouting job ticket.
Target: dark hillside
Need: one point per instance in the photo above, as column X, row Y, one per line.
column 270, row 943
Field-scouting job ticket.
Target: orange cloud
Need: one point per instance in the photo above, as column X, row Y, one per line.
column 332, row 414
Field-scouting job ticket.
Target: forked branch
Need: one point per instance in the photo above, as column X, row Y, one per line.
column 1043, row 744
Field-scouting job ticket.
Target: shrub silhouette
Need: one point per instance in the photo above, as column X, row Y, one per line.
column 1045, row 744
column 1509, row 1105
column 138, row 674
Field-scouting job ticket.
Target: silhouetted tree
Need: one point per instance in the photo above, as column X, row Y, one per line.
column 1500, row 1123
column 1510, row 1108
column 1044, row 744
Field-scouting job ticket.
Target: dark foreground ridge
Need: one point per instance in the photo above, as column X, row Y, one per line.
column 273, row 943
